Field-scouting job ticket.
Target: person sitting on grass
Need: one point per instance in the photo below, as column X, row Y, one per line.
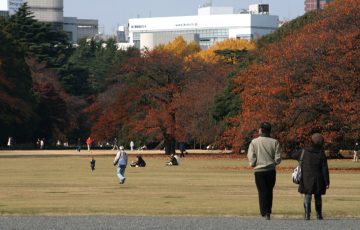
column 174, row 160
column 139, row 163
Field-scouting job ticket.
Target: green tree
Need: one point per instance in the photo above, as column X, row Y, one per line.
column 89, row 68
column 16, row 96
column 288, row 28
column 38, row 39
column 227, row 103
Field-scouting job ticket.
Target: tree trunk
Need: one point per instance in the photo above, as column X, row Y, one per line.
column 169, row 143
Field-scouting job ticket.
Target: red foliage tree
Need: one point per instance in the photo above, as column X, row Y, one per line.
column 307, row 82
column 58, row 111
column 156, row 96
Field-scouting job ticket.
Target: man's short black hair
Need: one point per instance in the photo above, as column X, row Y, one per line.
column 265, row 127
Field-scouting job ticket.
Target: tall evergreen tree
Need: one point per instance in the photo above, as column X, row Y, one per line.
column 16, row 96
column 38, row 39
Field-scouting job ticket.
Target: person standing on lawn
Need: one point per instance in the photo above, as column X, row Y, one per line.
column 89, row 143
column 264, row 154
column 315, row 174
column 356, row 152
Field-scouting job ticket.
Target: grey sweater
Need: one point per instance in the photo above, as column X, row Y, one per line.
column 264, row 154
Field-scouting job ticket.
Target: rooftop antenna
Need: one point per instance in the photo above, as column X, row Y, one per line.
column 206, row 4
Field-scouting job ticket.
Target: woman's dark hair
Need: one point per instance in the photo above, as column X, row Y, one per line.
column 317, row 141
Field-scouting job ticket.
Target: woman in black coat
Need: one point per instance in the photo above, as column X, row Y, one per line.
column 315, row 174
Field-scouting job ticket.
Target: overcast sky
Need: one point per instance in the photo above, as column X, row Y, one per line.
column 112, row 13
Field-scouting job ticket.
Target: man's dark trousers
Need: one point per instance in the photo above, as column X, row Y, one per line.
column 265, row 182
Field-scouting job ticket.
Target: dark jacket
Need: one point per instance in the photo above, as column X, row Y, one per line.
column 140, row 162
column 315, row 172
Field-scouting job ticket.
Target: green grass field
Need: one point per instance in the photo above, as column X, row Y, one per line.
column 200, row 186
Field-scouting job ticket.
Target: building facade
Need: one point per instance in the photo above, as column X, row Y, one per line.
column 122, row 34
column 80, row 28
column 50, row 11
column 4, row 13
column 315, row 4
column 211, row 25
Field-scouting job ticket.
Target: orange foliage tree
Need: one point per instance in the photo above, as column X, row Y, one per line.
column 306, row 82
column 155, row 95
column 210, row 55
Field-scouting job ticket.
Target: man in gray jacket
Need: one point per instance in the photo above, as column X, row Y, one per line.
column 264, row 154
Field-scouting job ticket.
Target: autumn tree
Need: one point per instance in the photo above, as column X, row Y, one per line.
column 226, row 51
column 232, row 56
column 58, row 113
column 308, row 81
column 197, row 100
column 156, row 93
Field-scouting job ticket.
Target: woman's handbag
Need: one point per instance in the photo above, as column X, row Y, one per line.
column 296, row 175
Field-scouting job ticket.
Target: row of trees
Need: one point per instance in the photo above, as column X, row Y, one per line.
column 46, row 82
column 303, row 78
column 164, row 94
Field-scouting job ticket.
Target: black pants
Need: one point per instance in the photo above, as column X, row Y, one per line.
column 265, row 182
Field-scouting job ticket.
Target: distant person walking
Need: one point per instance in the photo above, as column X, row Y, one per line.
column 182, row 149
column 42, row 143
column 38, row 143
column 264, row 154
column 132, row 145
column 315, row 174
column 115, row 146
column 89, row 143
column 78, row 148
column 356, row 152
column 10, row 142
column 92, row 164
column 121, row 160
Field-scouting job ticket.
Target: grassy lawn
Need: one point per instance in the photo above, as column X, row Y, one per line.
column 200, row 186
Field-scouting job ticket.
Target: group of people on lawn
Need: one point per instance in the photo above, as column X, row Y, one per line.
column 264, row 153
column 121, row 161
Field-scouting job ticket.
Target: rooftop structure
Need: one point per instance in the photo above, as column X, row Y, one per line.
column 211, row 25
column 315, row 4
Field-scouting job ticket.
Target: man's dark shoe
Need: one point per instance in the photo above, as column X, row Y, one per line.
column 267, row 216
column 319, row 217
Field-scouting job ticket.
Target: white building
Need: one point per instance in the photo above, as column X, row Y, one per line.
column 211, row 25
